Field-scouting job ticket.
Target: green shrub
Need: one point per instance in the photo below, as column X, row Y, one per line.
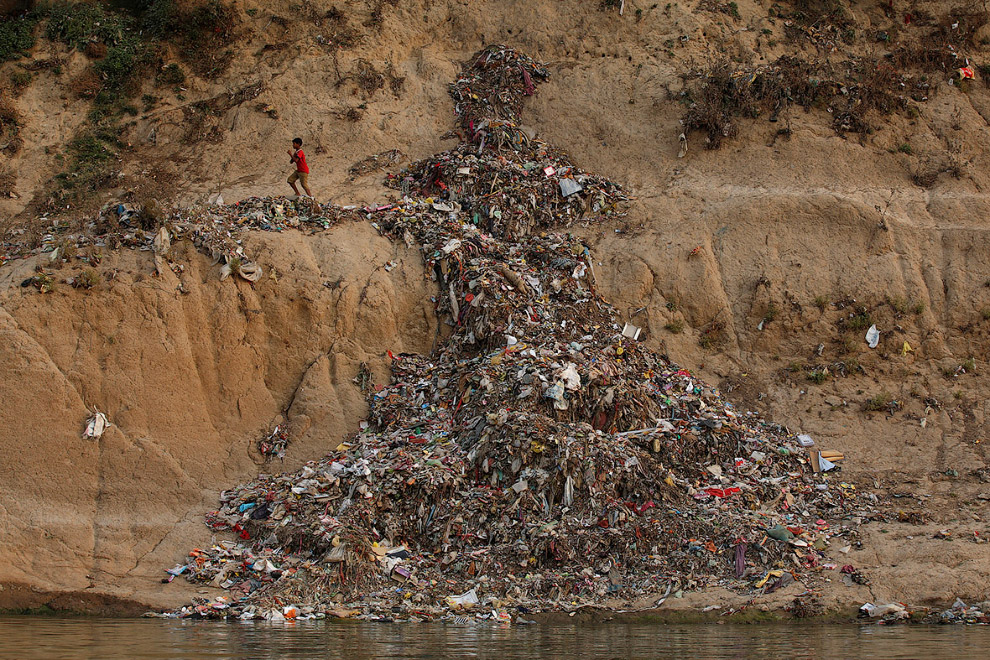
column 771, row 314
column 881, row 402
column 170, row 74
column 860, row 321
column 898, row 304
column 87, row 279
column 160, row 18
column 92, row 154
column 19, row 80
column 16, row 36
column 78, row 23
column 96, row 146
column 117, row 71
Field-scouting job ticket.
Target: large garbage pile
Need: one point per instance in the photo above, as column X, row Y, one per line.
column 540, row 458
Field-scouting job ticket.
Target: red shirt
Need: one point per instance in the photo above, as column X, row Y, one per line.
column 301, row 165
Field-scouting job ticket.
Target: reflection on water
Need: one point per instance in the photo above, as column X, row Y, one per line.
column 51, row 638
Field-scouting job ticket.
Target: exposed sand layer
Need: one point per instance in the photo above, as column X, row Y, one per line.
column 787, row 227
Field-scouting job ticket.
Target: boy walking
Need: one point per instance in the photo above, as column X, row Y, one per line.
column 302, row 169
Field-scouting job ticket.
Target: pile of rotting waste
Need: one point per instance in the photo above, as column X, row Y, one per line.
column 540, row 458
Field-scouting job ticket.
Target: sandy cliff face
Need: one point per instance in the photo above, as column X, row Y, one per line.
column 191, row 372
column 779, row 252
column 801, row 230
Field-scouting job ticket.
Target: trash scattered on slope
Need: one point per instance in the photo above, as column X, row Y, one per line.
column 960, row 612
column 631, row 331
column 275, row 443
column 375, row 162
column 541, row 458
column 873, row 336
column 888, row 612
column 213, row 229
column 96, row 426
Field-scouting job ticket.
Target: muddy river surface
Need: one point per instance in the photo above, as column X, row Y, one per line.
column 52, row 638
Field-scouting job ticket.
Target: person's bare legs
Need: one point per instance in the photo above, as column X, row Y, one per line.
column 306, row 188
column 296, row 190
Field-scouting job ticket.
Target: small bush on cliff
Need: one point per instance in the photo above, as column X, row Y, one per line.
column 7, row 181
column 10, row 126
column 16, row 36
column 87, row 279
column 882, row 402
column 859, row 321
column 110, row 37
column 170, row 74
column 729, row 92
column 160, row 17
column 77, row 24
column 91, row 158
column 19, row 81
column 207, row 31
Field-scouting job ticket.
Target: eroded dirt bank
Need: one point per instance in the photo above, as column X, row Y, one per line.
column 192, row 373
column 803, row 232
column 106, row 518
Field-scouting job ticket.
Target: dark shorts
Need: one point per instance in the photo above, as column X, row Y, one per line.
column 302, row 177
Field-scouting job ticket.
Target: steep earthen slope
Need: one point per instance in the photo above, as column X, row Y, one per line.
column 191, row 372
column 799, row 223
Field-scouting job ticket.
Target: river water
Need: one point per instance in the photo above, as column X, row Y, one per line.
column 27, row 638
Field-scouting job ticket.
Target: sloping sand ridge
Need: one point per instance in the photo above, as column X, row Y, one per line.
column 759, row 267
column 537, row 458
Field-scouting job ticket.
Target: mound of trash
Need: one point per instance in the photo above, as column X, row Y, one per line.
column 540, row 458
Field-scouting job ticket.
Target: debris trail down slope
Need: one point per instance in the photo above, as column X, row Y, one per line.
column 538, row 458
